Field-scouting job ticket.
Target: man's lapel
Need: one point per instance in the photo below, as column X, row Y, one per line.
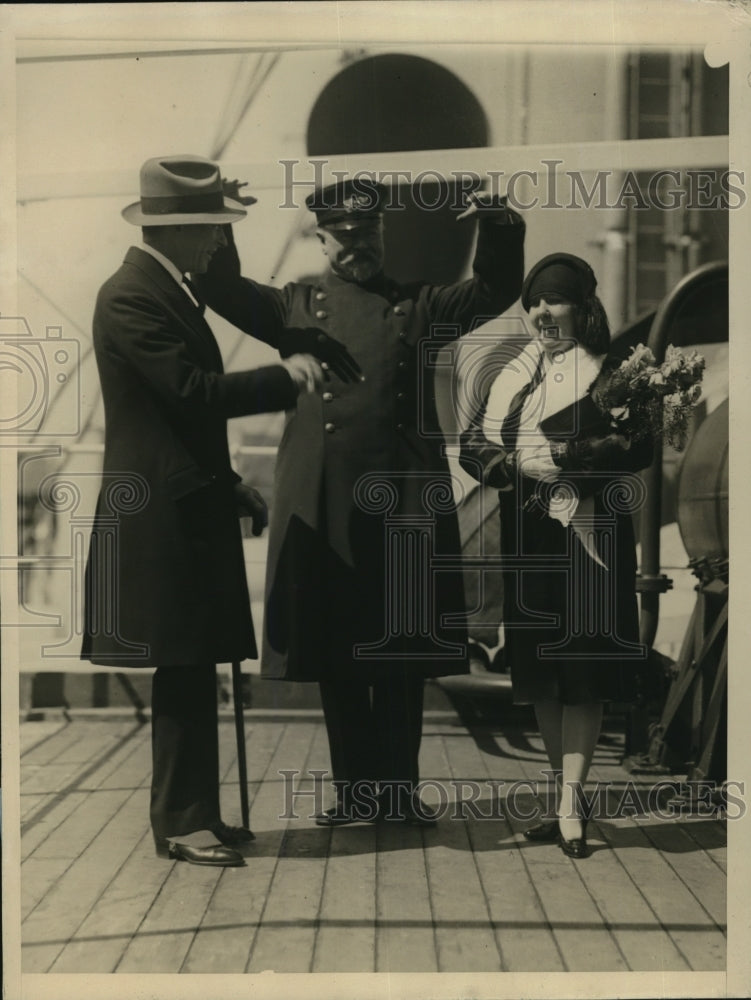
column 170, row 292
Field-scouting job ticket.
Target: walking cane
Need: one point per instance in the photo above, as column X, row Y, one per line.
column 242, row 764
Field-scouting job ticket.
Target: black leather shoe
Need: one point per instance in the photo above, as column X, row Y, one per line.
column 576, row 848
column 546, row 833
column 232, row 836
column 215, row 856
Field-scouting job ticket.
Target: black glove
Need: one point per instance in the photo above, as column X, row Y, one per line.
column 250, row 503
column 488, row 463
column 490, row 206
column 331, row 352
column 591, row 453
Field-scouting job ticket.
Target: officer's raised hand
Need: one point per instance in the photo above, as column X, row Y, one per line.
column 231, row 189
column 490, row 206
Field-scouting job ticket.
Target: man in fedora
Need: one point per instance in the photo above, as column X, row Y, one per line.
column 361, row 458
column 165, row 580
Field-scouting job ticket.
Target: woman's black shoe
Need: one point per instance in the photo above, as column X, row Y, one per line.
column 543, row 833
column 576, row 848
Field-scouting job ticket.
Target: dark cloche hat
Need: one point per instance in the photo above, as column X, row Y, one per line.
column 561, row 274
column 182, row 191
column 347, row 201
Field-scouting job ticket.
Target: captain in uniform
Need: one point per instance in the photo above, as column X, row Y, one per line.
column 360, row 461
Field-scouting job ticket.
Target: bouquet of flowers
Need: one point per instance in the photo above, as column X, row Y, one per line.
column 642, row 397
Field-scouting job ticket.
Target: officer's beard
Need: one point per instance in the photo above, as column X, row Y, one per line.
column 359, row 267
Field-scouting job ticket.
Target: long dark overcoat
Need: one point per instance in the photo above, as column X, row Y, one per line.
column 571, row 623
column 165, row 579
column 363, row 499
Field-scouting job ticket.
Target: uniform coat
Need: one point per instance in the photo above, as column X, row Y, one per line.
column 172, row 590
column 571, row 626
column 328, row 588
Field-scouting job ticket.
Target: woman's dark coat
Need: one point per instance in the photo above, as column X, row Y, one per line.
column 165, row 580
column 361, row 471
column 571, row 627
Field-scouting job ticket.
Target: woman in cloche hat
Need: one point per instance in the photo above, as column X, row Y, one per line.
column 570, row 614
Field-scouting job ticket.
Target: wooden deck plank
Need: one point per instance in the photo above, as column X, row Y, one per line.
column 642, row 939
column 523, row 936
column 37, row 731
column 697, row 871
column 88, row 862
column 169, row 926
column 287, row 924
column 695, row 887
column 405, row 941
column 508, row 758
column 405, row 936
column 695, row 935
column 465, row 941
column 43, row 751
column 711, row 836
column 38, row 876
column 261, row 742
column 87, row 746
column 31, row 803
column 100, row 942
column 123, row 769
column 346, row 935
column 129, row 766
column 285, row 940
column 636, row 931
column 346, row 938
column 584, row 939
column 224, row 940
column 470, row 895
column 42, row 870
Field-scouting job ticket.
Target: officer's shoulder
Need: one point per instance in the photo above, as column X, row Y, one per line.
column 408, row 293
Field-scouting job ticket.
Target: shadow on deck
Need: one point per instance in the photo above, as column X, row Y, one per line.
column 471, row 895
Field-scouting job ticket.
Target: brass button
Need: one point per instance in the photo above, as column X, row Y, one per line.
column 320, row 296
column 398, row 311
column 402, row 336
column 400, row 427
column 321, row 314
column 328, row 396
column 402, row 364
column 330, row 428
column 400, row 396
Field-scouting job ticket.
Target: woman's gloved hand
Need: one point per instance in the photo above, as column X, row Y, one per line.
column 592, row 453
